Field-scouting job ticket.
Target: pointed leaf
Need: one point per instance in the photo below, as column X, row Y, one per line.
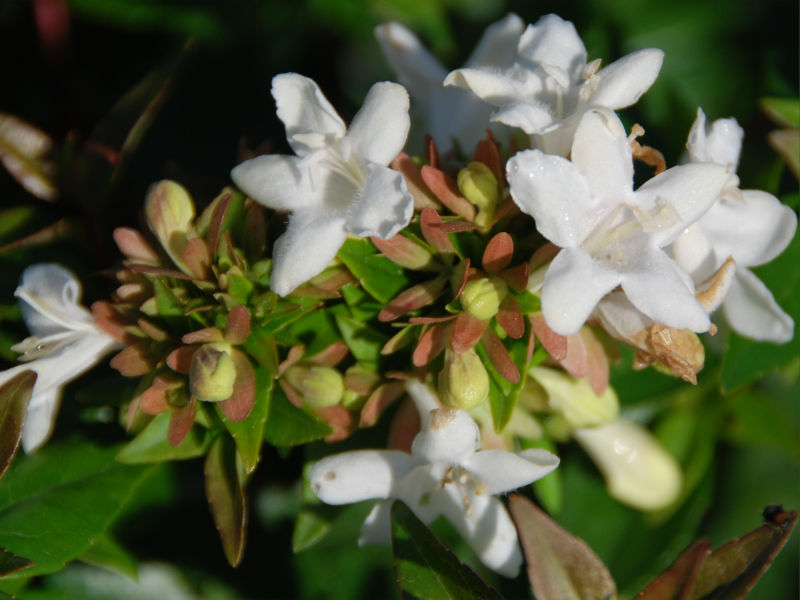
column 510, row 317
column 406, row 253
column 249, row 434
column 379, row 276
column 445, row 189
column 227, row 499
column 425, row 568
column 288, row 425
column 560, row 566
column 430, row 224
column 413, row 298
column 14, row 397
column 238, row 406
column 498, row 253
column 467, row 331
column 501, row 359
column 262, row 347
column 152, row 445
column 430, row 345
column 676, row 583
column 11, row 563
column 180, row 422
column 107, row 552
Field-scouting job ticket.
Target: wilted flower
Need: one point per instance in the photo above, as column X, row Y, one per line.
column 445, row 475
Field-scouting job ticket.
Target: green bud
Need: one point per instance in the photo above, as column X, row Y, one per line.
column 478, row 184
column 170, row 212
column 574, row 400
column 482, row 297
column 320, row 386
column 212, row 373
column 464, row 382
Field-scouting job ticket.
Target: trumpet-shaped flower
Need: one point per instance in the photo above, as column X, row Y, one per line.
column 338, row 182
column 550, row 85
column 448, row 113
column 611, row 235
column 445, row 475
column 751, row 226
column 65, row 342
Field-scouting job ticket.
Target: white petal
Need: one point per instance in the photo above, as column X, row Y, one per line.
column 530, row 116
column 694, row 253
column 681, row 195
column 721, row 145
column 619, row 317
column 602, row 154
column 359, row 475
column 377, row 527
column 310, row 120
column 638, row 471
column 379, row 130
column 624, row 81
column 574, row 399
column 753, row 227
column 752, row 311
column 40, row 418
column 498, row 45
column 495, row 87
column 554, row 42
column 416, row 68
column 309, row 243
column 658, row 287
column 276, row 181
column 424, row 399
column 51, row 297
column 383, row 207
column 450, row 437
column 573, row 285
column 502, row 471
column 554, row 193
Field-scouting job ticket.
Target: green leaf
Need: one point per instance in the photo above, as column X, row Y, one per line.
column 167, row 303
column 364, row 342
column 55, row 502
column 316, row 331
column 312, row 525
column 427, row 569
column 261, row 346
column 379, row 276
column 151, row 445
column 227, row 499
column 14, row 397
column 11, row 563
column 106, row 552
column 288, row 425
column 528, row 303
column 249, row 434
column 502, row 393
column 12, row 219
column 782, row 111
column 560, row 566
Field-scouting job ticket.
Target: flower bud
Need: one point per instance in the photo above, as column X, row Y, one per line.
column 479, row 185
column 320, row 386
column 481, row 298
column 574, row 400
column 212, row 373
column 170, row 212
column 464, row 382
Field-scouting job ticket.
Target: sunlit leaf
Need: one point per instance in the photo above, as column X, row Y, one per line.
column 379, row 276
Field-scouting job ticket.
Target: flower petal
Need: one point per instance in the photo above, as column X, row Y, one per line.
column 497, row 89
column 50, row 297
column 383, row 207
column 554, row 193
column 658, row 287
column 624, row 81
column 379, row 130
column 40, row 418
column 552, row 41
column 377, row 527
column 502, row 471
column 415, row 67
column 276, row 181
column 754, row 228
column 721, row 145
column 532, row 117
column 752, row 311
column 311, row 122
column 682, row 194
column 309, row 243
column 602, row 154
column 573, row 286
column 359, row 475
column 498, row 45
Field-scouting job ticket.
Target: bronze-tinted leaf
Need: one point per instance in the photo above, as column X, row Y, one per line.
column 560, row 566
column 467, row 330
column 181, row 422
column 430, row 225
column 676, row 583
column 430, row 345
column 238, row 406
column 499, row 356
column 226, row 497
column 498, row 253
column 405, row 252
column 14, row 397
column 445, row 189
column 510, row 318
column 554, row 343
column 237, row 327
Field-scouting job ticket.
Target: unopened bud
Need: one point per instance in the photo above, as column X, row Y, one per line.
column 478, row 184
column 320, row 386
column 212, row 373
column 463, row 382
column 574, row 399
column 481, row 298
column 170, row 212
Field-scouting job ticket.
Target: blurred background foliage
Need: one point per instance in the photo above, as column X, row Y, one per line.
column 134, row 91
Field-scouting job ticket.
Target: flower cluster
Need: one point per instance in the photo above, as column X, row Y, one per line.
column 463, row 296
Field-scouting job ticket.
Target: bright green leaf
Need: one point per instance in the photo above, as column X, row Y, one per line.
column 379, row 276
column 151, row 444
column 106, row 552
column 364, row 342
column 11, row 563
column 288, row 425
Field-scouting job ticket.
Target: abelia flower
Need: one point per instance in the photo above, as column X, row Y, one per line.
column 65, row 342
column 445, row 475
column 751, row 226
column 611, row 235
column 550, row 86
column 448, row 114
column 338, row 182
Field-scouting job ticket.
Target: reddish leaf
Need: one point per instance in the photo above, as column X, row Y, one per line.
column 133, row 361
column 543, row 255
column 331, row 356
column 517, row 277
column 430, row 320
column 413, row 298
column 203, row 336
column 255, row 231
column 197, row 257
column 554, row 343
column 237, row 327
column 598, row 361
column 676, row 583
column 499, row 356
column 404, row 428
column 381, row 399
column 180, row 422
column 488, row 152
column 110, row 320
column 445, row 189
column 460, row 277
column 405, row 252
column 467, row 330
column 498, row 253
column 14, row 397
column 416, row 186
column 341, row 420
column 134, row 246
column 226, row 498
column 153, row 401
column 510, row 318
column 430, row 345
column 457, row 226
column 180, row 359
column 215, row 223
column 576, row 362
column 430, row 222
column 432, row 151
column 237, row 408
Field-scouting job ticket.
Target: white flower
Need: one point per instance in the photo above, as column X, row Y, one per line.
column 611, row 235
column 65, row 342
column 445, row 475
column 637, row 469
column 449, row 113
column 338, row 184
column 550, row 85
column 750, row 225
